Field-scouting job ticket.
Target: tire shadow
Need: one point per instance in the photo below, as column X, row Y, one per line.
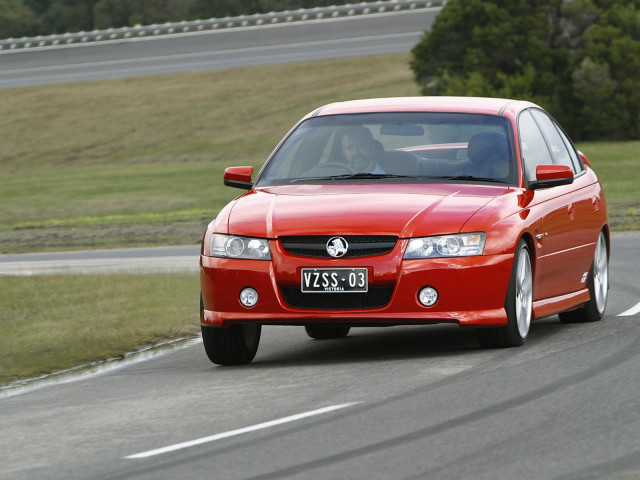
column 365, row 344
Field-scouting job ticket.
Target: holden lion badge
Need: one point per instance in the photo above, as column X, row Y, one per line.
column 337, row 247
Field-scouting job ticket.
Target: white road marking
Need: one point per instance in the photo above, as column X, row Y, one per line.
column 239, row 431
column 632, row 311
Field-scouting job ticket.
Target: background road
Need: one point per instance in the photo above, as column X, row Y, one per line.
column 131, row 260
column 430, row 404
column 323, row 39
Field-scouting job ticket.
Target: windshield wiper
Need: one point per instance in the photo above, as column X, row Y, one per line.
column 468, row 177
column 350, row 176
column 370, row 175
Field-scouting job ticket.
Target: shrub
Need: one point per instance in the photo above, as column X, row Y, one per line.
column 578, row 59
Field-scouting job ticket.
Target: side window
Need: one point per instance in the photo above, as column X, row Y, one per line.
column 572, row 151
column 554, row 140
column 533, row 146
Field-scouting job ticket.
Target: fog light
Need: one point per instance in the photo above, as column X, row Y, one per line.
column 248, row 297
column 428, row 296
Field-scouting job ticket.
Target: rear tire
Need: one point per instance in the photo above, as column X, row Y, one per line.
column 519, row 305
column 598, row 285
column 234, row 345
column 323, row 332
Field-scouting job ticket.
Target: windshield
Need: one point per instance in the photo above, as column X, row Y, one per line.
column 395, row 147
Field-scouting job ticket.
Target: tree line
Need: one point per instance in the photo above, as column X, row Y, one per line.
column 579, row 59
column 28, row 18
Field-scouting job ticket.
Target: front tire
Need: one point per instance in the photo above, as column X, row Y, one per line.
column 598, row 285
column 323, row 332
column 519, row 305
column 234, row 345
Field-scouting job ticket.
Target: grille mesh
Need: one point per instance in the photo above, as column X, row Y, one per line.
column 376, row 297
column 359, row 245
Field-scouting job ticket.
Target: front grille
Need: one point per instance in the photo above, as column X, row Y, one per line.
column 376, row 297
column 359, row 245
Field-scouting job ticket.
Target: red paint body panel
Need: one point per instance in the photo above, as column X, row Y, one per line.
column 560, row 224
column 549, row 306
column 222, row 279
column 553, row 172
column 238, row 174
column 395, row 209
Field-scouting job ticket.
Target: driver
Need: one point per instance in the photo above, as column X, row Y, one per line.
column 359, row 150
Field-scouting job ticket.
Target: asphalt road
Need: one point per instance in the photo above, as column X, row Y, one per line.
column 127, row 260
column 404, row 403
column 283, row 43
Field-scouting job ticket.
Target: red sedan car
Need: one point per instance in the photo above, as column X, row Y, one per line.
column 473, row 211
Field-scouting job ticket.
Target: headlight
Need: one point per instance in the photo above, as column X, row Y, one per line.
column 461, row 245
column 229, row 246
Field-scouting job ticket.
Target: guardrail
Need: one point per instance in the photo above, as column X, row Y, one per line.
column 271, row 18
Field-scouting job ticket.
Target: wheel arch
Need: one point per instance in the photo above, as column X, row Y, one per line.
column 528, row 238
column 607, row 236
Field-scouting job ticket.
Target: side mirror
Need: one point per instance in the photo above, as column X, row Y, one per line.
column 552, row 176
column 238, row 177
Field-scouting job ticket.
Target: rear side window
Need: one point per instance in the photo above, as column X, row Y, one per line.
column 533, row 146
column 572, row 151
column 554, row 140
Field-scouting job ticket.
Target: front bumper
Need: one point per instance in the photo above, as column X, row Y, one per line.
column 472, row 290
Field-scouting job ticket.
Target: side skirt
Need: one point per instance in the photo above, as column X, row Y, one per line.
column 561, row 303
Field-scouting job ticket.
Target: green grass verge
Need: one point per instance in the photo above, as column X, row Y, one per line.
column 50, row 323
column 618, row 166
column 139, row 161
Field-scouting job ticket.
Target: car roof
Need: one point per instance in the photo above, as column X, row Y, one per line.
column 480, row 105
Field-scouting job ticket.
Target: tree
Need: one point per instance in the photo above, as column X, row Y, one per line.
column 17, row 20
column 223, row 8
column 613, row 47
column 111, row 14
column 580, row 59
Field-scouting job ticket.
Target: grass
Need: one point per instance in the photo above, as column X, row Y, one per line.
column 139, row 161
column 50, row 323
column 219, row 115
column 618, row 166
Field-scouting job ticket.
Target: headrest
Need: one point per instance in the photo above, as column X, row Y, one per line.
column 484, row 145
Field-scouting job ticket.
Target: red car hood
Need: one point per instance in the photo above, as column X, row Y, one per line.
column 373, row 209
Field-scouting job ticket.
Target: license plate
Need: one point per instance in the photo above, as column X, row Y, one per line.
column 335, row 280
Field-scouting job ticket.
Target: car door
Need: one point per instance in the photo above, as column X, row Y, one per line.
column 563, row 238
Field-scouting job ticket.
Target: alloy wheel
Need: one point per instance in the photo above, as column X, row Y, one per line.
column 524, row 293
column 601, row 274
